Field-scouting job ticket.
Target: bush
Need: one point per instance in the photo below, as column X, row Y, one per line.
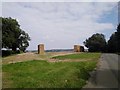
column 9, row 52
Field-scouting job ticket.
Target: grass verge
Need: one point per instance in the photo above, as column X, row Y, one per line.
column 41, row 74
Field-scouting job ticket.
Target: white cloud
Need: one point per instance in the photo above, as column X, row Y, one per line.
column 59, row 25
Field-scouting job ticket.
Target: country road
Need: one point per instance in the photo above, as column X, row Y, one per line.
column 106, row 75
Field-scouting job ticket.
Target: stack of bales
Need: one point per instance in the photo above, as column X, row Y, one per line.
column 41, row 49
column 82, row 49
column 78, row 48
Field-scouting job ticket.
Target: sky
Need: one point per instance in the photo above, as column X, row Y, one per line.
column 60, row 25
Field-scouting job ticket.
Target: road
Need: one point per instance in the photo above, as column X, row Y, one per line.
column 106, row 74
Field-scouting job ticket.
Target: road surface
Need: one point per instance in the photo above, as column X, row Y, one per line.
column 106, row 75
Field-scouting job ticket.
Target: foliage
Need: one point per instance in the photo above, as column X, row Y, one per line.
column 42, row 74
column 12, row 35
column 118, row 37
column 23, row 41
column 114, row 41
column 9, row 52
column 96, row 43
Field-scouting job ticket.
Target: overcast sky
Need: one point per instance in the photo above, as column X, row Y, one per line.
column 62, row 24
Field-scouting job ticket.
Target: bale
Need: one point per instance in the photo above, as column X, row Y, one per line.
column 76, row 48
column 82, row 49
column 41, row 49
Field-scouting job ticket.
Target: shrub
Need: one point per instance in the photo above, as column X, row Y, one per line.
column 9, row 52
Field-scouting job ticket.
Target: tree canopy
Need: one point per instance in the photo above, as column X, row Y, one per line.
column 13, row 36
column 118, row 37
column 114, row 41
column 96, row 43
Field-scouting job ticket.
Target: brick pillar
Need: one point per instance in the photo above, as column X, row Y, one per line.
column 41, row 49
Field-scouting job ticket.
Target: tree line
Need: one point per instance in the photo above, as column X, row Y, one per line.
column 98, row 43
column 13, row 37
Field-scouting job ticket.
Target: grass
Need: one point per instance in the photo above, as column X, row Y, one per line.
column 79, row 56
column 41, row 74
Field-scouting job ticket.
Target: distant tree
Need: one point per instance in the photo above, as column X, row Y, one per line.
column 23, row 41
column 96, row 43
column 0, row 36
column 10, row 33
column 118, row 37
column 12, row 36
column 114, row 41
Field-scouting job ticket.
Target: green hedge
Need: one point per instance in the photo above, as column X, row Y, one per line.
column 9, row 52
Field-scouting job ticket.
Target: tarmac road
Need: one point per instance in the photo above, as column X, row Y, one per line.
column 106, row 75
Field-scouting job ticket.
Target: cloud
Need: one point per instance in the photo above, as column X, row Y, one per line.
column 60, row 25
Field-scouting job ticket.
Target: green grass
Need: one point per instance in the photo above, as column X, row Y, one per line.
column 79, row 56
column 42, row 74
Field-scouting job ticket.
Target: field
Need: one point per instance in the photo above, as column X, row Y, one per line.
column 79, row 56
column 45, row 74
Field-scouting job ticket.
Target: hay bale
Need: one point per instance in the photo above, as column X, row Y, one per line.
column 76, row 48
column 41, row 49
column 82, row 49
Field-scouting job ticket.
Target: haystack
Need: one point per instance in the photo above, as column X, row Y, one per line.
column 76, row 48
column 41, row 49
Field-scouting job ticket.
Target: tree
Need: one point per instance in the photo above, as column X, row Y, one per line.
column 12, row 35
column 23, row 41
column 118, row 37
column 114, row 41
column 0, row 35
column 96, row 43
